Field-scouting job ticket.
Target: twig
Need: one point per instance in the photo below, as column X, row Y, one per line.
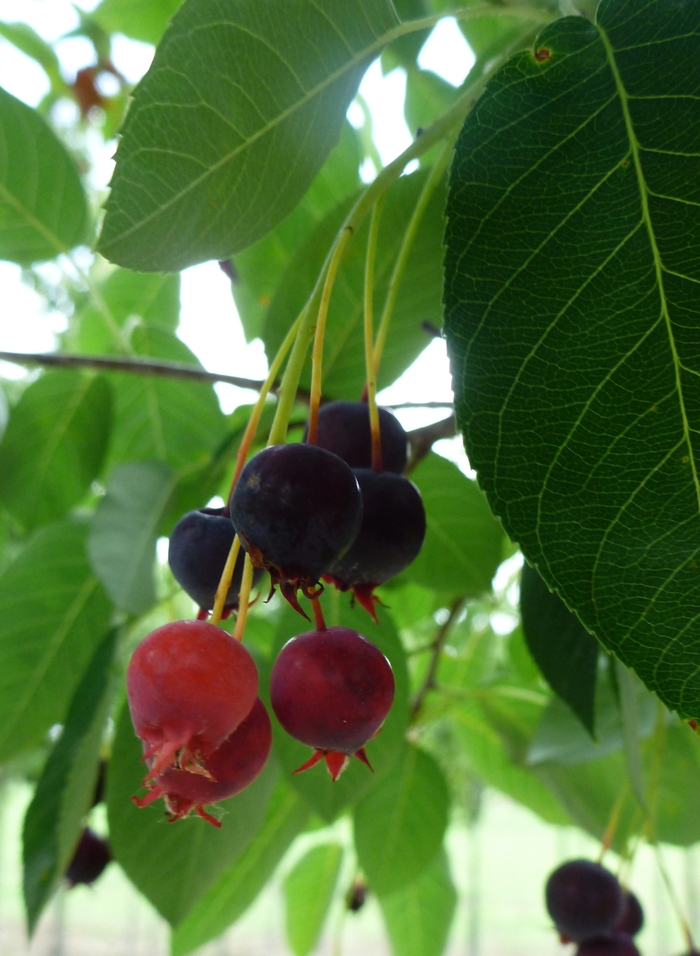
column 438, row 644
column 422, row 439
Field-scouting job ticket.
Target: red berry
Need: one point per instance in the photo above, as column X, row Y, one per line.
column 189, row 686
column 229, row 769
column 332, row 690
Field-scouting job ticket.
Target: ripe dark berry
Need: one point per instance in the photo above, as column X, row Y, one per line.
column 199, row 546
column 189, row 686
column 89, row 860
column 584, row 900
column 332, row 690
column 357, row 896
column 229, row 769
column 390, row 537
column 344, row 429
column 616, row 944
column 632, row 918
column 296, row 508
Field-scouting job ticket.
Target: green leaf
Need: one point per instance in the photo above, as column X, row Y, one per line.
column 173, row 866
column 316, row 786
column 240, row 883
column 30, row 43
column 174, row 421
column 418, row 917
column 463, row 543
column 632, row 728
column 43, row 208
column 399, row 826
column 232, row 122
column 54, row 613
column 260, row 268
column 677, row 820
column 564, row 651
column 571, row 295
column 64, row 793
column 130, row 297
column 308, row 892
column 54, row 445
column 419, row 298
column 124, row 531
column 143, row 20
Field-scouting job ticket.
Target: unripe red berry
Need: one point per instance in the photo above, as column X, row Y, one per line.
column 232, row 767
column 332, row 690
column 189, row 686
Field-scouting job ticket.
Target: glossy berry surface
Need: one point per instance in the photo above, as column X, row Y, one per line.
column 89, row 860
column 296, row 508
column 199, row 546
column 189, row 686
column 390, row 537
column 632, row 918
column 584, row 899
column 616, row 944
column 332, row 690
column 232, row 767
column 344, row 429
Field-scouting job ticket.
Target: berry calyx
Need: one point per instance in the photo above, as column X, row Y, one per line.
column 332, row 689
column 296, row 509
column 189, row 686
column 390, row 537
column 198, row 549
column 632, row 918
column 90, row 858
column 344, row 429
column 232, row 767
column 584, row 899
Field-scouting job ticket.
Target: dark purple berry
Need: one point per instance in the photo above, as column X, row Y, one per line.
column 343, row 428
column 199, row 546
column 89, row 860
column 296, row 508
column 584, row 900
column 632, row 918
column 357, row 896
column 616, row 944
column 390, row 537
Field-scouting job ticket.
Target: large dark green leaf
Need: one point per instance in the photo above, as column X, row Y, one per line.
column 239, row 884
column 129, row 297
column 65, row 789
column 565, row 652
column 308, row 892
column 43, row 209
column 54, row 613
column 463, row 543
column 124, row 531
column 178, row 422
column 316, row 786
column 260, row 268
column 418, row 300
column 143, row 20
column 418, row 917
column 174, row 866
column 54, row 445
column 399, row 826
column 232, row 122
column 571, row 297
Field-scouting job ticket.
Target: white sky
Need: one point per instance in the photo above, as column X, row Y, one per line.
column 209, row 322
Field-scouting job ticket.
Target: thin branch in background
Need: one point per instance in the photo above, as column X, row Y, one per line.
column 422, row 439
column 438, row 644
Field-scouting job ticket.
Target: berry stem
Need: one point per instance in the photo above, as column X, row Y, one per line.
column 673, row 896
column 437, row 646
column 428, row 189
column 244, row 598
column 256, row 414
column 320, row 333
column 370, row 363
column 614, row 821
column 225, row 581
column 319, row 619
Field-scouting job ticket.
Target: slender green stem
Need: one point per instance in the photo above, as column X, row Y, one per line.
column 320, row 332
column 535, row 14
column 367, row 133
column 370, row 363
column 429, row 186
column 225, row 581
column 244, row 598
column 287, row 393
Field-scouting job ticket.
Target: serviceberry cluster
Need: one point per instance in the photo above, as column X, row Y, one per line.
column 303, row 513
column 589, row 907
